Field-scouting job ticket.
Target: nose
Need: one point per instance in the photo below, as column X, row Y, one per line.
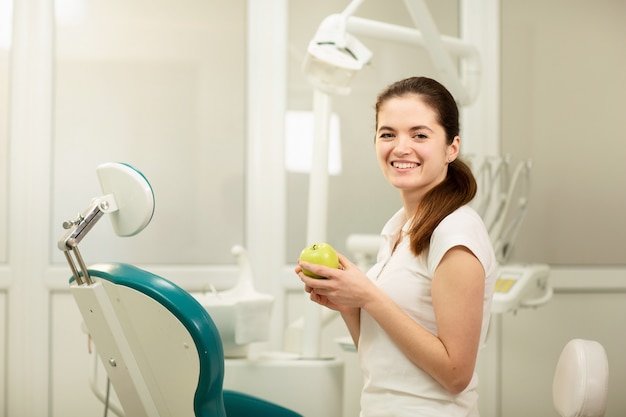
column 403, row 145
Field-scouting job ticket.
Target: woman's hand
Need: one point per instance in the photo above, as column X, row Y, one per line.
column 342, row 289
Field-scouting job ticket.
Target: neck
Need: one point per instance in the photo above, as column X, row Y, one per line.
column 410, row 205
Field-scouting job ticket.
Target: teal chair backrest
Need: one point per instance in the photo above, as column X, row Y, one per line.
column 161, row 349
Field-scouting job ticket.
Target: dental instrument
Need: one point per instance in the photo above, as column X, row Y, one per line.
column 502, row 201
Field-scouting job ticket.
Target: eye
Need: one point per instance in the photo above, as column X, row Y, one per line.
column 386, row 136
column 420, row 136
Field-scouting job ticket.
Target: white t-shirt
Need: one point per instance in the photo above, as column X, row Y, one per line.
column 393, row 385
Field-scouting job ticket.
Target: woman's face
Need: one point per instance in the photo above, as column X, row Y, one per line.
column 411, row 146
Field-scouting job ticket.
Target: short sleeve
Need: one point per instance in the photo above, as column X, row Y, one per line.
column 463, row 227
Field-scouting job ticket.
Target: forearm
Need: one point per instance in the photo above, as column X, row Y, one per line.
column 352, row 319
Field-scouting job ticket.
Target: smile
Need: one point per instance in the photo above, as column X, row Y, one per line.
column 404, row 165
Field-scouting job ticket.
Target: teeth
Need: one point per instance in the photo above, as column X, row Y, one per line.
column 404, row 165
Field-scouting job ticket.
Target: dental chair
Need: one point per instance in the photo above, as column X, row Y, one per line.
column 580, row 384
column 161, row 350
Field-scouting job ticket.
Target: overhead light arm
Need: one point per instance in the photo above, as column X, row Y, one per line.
column 433, row 43
column 335, row 55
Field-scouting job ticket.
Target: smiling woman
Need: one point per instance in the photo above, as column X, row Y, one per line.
column 422, row 311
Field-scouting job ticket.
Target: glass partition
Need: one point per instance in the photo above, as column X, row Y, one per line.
column 160, row 86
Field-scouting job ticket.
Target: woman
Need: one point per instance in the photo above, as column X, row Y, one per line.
column 421, row 313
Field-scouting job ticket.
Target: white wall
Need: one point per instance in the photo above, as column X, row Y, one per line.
column 562, row 103
column 563, row 89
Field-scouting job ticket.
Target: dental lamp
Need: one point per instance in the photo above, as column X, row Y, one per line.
column 334, row 57
column 130, row 210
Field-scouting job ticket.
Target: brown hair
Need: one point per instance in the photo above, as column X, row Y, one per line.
column 459, row 187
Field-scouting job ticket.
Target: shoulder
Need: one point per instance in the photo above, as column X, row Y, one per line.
column 463, row 217
column 463, row 224
column 462, row 227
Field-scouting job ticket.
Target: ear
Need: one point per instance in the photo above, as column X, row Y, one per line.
column 454, row 148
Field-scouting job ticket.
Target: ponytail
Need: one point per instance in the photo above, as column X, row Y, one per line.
column 456, row 190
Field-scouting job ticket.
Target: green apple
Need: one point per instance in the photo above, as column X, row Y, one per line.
column 321, row 254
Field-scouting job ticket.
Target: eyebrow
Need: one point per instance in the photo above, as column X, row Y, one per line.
column 420, row 127
column 412, row 129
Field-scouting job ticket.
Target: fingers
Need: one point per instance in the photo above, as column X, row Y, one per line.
column 319, row 270
column 316, row 297
column 344, row 261
column 310, row 284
